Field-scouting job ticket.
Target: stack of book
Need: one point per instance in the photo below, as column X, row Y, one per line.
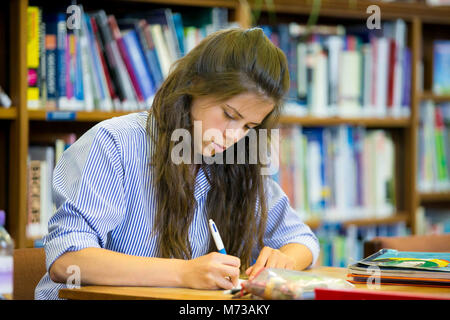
column 337, row 173
column 40, row 164
column 393, row 267
column 349, row 71
column 107, row 63
column 434, row 147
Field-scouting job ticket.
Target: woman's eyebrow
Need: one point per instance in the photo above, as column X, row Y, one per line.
column 240, row 115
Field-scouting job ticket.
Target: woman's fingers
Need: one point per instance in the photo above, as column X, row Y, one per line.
column 260, row 262
column 270, row 258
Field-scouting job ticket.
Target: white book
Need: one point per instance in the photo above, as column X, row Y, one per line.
column 350, row 83
column 367, row 81
column 319, row 105
column 161, row 48
column 335, row 45
column 86, row 65
column 302, row 88
column 382, row 68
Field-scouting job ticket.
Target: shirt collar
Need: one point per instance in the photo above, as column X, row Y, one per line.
column 202, row 185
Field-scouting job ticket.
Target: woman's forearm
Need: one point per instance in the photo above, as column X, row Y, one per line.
column 300, row 253
column 105, row 267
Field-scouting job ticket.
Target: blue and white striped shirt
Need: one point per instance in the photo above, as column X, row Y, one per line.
column 104, row 198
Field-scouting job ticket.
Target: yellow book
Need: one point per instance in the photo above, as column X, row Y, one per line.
column 33, row 23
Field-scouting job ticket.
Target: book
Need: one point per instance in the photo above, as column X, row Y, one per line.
column 45, row 157
column 346, row 71
column 403, row 268
column 33, row 56
column 433, row 172
column 441, row 65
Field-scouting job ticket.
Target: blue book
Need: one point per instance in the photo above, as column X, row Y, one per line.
column 96, row 60
column 78, row 87
column 179, row 30
column 316, row 135
column 441, row 67
column 138, row 63
column 60, row 54
column 51, row 58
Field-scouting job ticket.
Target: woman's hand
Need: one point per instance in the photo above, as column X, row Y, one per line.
column 270, row 258
column 212, row 271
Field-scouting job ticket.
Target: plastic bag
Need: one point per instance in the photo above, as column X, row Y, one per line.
column 282, row 284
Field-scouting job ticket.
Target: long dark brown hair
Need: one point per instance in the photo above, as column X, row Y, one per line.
column 226, row 63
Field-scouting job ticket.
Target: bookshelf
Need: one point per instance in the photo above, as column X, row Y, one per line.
column 21, row 123
column 8, row 114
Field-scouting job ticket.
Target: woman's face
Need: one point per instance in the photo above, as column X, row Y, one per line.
column 223, row 124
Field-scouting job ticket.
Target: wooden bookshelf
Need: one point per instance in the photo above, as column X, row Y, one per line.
column 435, row 97
column 8, row 114
column 356, row 9
column 83, row 116
column 434, row 197
column 311, row 121
column 416, row 14
column 396, row 218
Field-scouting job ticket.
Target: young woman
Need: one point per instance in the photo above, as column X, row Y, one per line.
column 128, row 214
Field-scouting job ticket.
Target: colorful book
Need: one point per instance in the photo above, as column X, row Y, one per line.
column 33, row 52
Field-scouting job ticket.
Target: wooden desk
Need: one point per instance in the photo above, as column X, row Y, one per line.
column 146, row 293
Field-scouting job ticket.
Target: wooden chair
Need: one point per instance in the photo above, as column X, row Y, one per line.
column 29, row 268
column 425, row 243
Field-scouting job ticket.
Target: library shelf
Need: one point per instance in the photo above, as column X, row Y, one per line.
column 356, row 9
column 230, row 4
column 82, row 116
column 387, row 122
column 396, row 218
column 8, row 113
column 427, row 95
column 429, row 197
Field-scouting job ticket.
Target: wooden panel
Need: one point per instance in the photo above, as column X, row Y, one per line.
column 357, row 9
column 8, row 114
column 19, row 127
column 83, row 116
column 367, row 122
column 428, row 197
column 127, row 293
column 411, row 140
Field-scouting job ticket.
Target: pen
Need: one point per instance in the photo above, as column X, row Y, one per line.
column 216, row 237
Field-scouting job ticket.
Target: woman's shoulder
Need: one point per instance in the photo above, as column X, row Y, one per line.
column 125, row 124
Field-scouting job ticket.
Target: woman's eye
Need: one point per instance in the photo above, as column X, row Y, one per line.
column 227, row 115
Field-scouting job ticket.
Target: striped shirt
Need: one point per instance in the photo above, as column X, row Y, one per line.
column 104, row 198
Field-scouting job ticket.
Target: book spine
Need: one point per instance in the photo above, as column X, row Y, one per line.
column 34, row 199
column 110, row 89
column 125, row 56
column 139, row 67
column 33, row 17
column 148, row 47
column 69, row 63
column 391, row 75
column 50, row 48
column 79, row 83
column 61, row 61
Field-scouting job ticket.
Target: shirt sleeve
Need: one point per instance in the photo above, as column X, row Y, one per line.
column 88, row 195
column 284, row 224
